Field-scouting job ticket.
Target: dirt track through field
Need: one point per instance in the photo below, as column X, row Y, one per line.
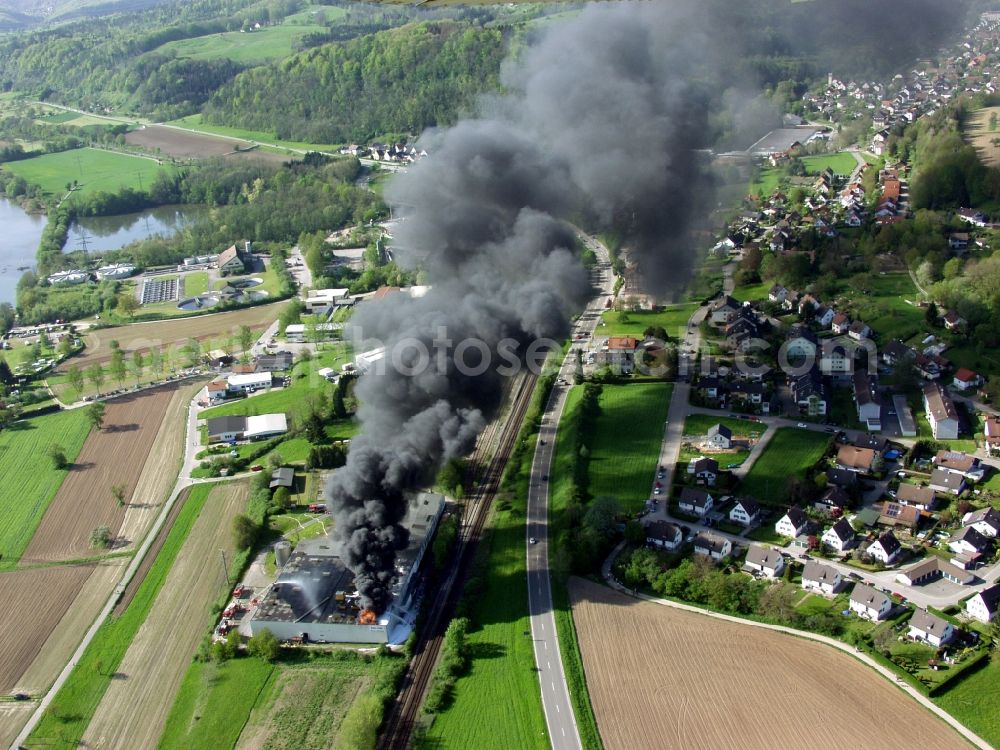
column 48, row 592
column 113, row 455
column 134, row 710
column 173, row 333
column 696, row 682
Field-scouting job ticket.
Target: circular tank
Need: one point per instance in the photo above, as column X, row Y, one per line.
column 282, row 551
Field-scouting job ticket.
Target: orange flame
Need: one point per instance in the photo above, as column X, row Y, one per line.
column 367, row 617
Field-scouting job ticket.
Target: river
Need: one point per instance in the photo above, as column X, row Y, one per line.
column 23, row 231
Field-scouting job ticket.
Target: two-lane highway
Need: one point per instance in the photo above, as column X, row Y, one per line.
column 559, row 716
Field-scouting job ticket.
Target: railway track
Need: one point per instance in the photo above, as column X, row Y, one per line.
column 501, row 434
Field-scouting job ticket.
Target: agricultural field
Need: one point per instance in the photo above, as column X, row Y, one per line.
column 134, row 710
column 973, row 702
column 25, row 466
column 789, row 454
column 979, row 133
column 722, row 683
column 625, row 444
column 94, row 169
column 171, row 333
column 113, row 455
column 261, row 46
column 674, row 319
column 195, row 122
column 183, row 144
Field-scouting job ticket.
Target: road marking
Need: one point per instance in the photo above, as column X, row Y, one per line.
column 557, row 709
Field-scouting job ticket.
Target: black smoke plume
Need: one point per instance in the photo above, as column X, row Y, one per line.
column 602, row 122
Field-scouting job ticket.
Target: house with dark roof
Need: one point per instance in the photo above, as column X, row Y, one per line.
column 764, row 561
column 664, row 535
column 969, row 541
column 720, row 437
column 885, row 549
column 800, row 343
column 283, row 477
column 943, row 480
column 958, row 462
column 277, row 362
column 712, row 545
column 930, row 628
column 809, row 392
column 745, row 512
column 822, row 578
column 869, row 603
column 841, row 478
column 953, row 321
column 705, row 470
column 226, row 429
column 793, row 523
column 233, row 260
column 867, row 399
column 941, row 412
column 695, row 500
column 984, row 605
column 840, row 323
column 840, row 536
column 725, row 311
column 833, row 500
column 985, row 520
column 896, row 351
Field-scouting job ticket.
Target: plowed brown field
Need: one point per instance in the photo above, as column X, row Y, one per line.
column 49, row 590
column 132, row 714
column 114, row 455
column 662, row 677
column 174, row 333
column 187, row 145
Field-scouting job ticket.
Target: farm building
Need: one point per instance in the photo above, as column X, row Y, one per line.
column 283, row 477
column 250, row 382
column 299, row 333
column 229, row 429
column 314, row 598
column 277, row 362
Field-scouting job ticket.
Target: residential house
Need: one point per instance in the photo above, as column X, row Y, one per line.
column 885, row 549
column 741, row 333
column 958, row 242
column 226, row 429
column 930, row 366
column 859, row 331
column 823, row 316
column 696, row 501
column 869, row 603
column 969, row 541
column 985, row 604
column 953, row 321
column 946, row 481
column 895, row 352
column 941, row 412
column 822, row 578
column 915, row 496
column 712, row 545
column 233, row 260
column 965, row 379
column 793, row 523
column 837, row 359
column 840, row 324
column 705, row 470
column 897, row 514
column 764, row 561
column 720, row 437
column 930, row 569
column 777, row 294
column 867, row 400
column 862, row 460
column 810, row 394
column 709, row 386
column 840, row 536
column 991, row 431
column 664, row 535
column 833, row 500
column 971, row 216
column 621, row 353
column 745, row 512
column 985, row 520
column 800, row 344
column 958, row 462
column 930, row 628
column 217, row 390
column 725, row 310
column 841, row 478
column 747, row 392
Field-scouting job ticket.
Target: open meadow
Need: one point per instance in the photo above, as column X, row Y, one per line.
column 973, row 701
column 789, row 454
column 113, row 455
column 982, row 137
column 29, row 475
column 698, row 683
column 673, row 319
column 625, row 441
column 94, row 169
column 172, row 333
column 134, row 709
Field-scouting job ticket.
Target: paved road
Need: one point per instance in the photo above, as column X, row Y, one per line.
column 559, row 716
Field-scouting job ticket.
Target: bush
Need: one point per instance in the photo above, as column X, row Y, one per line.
column 244, row 531
column 264, row 645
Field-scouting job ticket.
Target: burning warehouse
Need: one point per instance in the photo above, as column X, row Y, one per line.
column 314, row 597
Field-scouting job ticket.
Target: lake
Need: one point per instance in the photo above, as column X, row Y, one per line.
column 23, row 231
column 21, row 234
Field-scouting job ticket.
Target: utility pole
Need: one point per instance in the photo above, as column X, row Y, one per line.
column 225, row 568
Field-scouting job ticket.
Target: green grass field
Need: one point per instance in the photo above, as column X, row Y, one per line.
column 674, row 319
column 302, row 699
column 195, row 283
column 750, row 293
column 625, row 444
column 94, row 169
column 195, row 122
column 696, row 425
column 766, row 182
column 28, row 473
column 842, row 163
column 973, row 701
column 886, row 309
column 791, row 451
column 70, row 712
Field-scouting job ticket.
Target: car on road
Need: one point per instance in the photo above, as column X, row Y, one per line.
column 831, row 429
column 658, row 491
column 803, row 425
column 532, row 540
column 545, row 477
column 854, row 577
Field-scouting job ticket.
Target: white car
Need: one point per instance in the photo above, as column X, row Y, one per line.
column 803, row 425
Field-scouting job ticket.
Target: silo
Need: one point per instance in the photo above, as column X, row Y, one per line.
column 282, row 551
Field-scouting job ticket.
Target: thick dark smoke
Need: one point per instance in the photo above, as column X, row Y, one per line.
column 601, row 123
